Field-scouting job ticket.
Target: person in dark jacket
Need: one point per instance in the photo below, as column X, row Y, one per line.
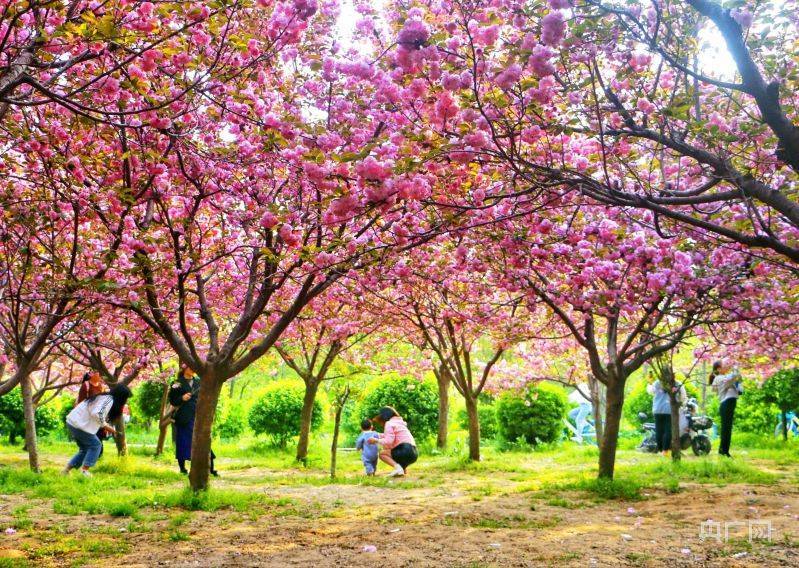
column 183, row 396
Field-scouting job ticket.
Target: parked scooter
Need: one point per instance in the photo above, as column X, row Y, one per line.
column 693, row 430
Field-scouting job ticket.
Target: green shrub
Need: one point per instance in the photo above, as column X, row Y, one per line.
column 782, row 390
column 487, row 415
column 535, row 415
column 233, row 422
column 67, row 403
column 416, row 401
column 277, row 412
column 12, row 417
column 754, row 412
column 147, row 402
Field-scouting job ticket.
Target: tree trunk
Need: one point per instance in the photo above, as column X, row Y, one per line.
column 676, row 445
column 596, row 403
column 210, row 388
column 120, row 439
column 474, row 427
column 610, row 439
column 784, row 426
column 342, row 400
column 159, row 448
column 306, row 416
column 443, row 379
column 704, row 387
column 30, row 423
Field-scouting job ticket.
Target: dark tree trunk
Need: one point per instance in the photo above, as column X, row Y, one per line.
column 474, row 427
column 120, row 439
column 29, row 411
column 162, row 428
column 342, row 400
column 784, row 426
column 676, row 442
column 596, row 402
column 443, row 379
column 210, row 387
column 306, row 417
column 610, row 439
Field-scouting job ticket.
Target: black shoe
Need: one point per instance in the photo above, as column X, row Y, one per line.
column 214, row 473
column 184, row 471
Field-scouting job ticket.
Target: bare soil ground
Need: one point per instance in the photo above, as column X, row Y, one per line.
column 467, row 522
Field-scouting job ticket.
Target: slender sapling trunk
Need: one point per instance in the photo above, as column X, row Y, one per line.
column 306, row 418
column 29, row 411
column 443, row 380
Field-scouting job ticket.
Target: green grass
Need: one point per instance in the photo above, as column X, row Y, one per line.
column 142, row 494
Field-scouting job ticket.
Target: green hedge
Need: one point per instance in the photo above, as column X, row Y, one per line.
column 277, row 412
column 534, row 415
column 416, row 401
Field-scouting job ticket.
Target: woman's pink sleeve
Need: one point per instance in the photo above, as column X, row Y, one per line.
column 389, row 435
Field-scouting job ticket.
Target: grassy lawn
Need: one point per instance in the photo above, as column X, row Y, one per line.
column 74, row 521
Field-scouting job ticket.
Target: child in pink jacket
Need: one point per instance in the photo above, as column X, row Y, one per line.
column 399, row 447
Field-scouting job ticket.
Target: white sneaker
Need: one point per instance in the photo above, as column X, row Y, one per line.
column 86, row 473
column 397, row 472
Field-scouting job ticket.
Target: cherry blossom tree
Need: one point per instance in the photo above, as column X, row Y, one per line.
column 286, row 182
column 330, row 326
column 443, row 301
column 626, row 295
column 612, row 102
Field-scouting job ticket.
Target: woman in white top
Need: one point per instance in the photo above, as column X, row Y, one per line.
column 87, row 418
column 726, row 381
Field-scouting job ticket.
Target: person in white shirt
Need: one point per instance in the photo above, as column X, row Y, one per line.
column 86, row 419
column 726, row 381
column 579, row 414
column 661, row 409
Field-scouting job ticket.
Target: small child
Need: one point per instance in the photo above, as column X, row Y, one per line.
column 368, row 451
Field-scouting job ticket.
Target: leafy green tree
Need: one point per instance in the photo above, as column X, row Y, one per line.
column 277, row 412
column 535, row 415
column 12, row 419
column 416, row 401
column 233, row 422
column 782, row 390
column 147, row 400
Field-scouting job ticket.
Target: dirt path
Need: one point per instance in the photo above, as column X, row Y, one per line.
column 437, row 527
column 455, row 519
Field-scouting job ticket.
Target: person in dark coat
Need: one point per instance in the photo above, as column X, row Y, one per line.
column 183, row 396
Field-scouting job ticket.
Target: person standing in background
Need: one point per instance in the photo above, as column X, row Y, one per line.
column 183, row 396
column 726, row 381
column 579, row 415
